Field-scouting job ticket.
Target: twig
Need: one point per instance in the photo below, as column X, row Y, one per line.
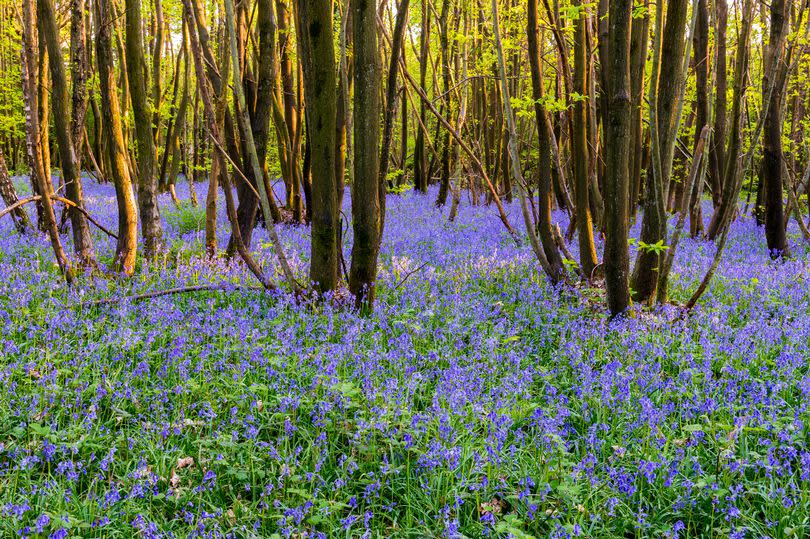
column 235, row 168
column 84, row 212
column 408, row 275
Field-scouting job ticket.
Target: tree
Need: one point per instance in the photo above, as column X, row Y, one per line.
column 664, row 120
column 82, row 240
column 147, row 174
column 617, row 156
column 579, row 144
column 367, row 189
column 317, row 53
column 544, row 131
column 9, row 195
column 773, row 159
column 127, row 244
column 701, row 55
column 40, row 181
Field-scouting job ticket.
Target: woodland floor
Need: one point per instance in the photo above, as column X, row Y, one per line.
column 475, row 401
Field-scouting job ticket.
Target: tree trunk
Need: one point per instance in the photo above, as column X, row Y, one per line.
column 82, row 240
column 724, row 212
column 617, row 156
column 127, row 245
column 544, row 224
column 203, row 78
column 252, row 157
column 664, row 116
column 701, row 48
column 639, row 45
column 420, row 157
column 78, row 61
column 717, row 157
column 773, row 160
column 444, row 40
column 366, row 185
column 260, row 123
column 579, row 147
column 9, row 194
column 318, row 61
column 41, row 182
column 151, row 227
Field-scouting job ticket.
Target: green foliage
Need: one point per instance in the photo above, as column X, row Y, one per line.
column 186, row 218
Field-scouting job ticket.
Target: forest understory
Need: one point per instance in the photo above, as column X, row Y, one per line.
column 476, row 400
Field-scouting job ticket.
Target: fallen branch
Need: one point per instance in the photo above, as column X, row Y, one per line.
column 63, row 200
column 168, row 292
column 19, row 203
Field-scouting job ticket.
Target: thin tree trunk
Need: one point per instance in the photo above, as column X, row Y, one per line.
column 773, row 159
column 665, row 117
column 203, row 76
column 544, row 224
column 9, row 194
column 127, row 244
column 701, row 48
column 724, row 212
column 79, row 74
column 33, row 139
column 420, row 157
column 397, row 52
column 250, row 147
column 717, row 157
column 513, row 149
column 82, row 240
column 579, row 147
column 639, row 45
column 151, row 226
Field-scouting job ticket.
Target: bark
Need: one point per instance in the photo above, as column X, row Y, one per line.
column 173, row 128
column 444, row 42
column 82, row 240
column 701, row 55
column 397, row 52
column 344, row 114
column 203, row 81
column 79, row 67
column 290, row 118
column 319, row 71
column 250, row 146
column 665, row 119
column 366, row 186
column 717, row 156
column 639, row 45
column 544, row 224
column 617, row 156
column 41, row 182
column 157, row 75
column 260, row 122
column 151, row 227
column 127, row 243
column 724, row 212
column 420, row 157
column 513, row 149
column 579, row 146
column 9, row 195
column 773, row 159
column 695, row 175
